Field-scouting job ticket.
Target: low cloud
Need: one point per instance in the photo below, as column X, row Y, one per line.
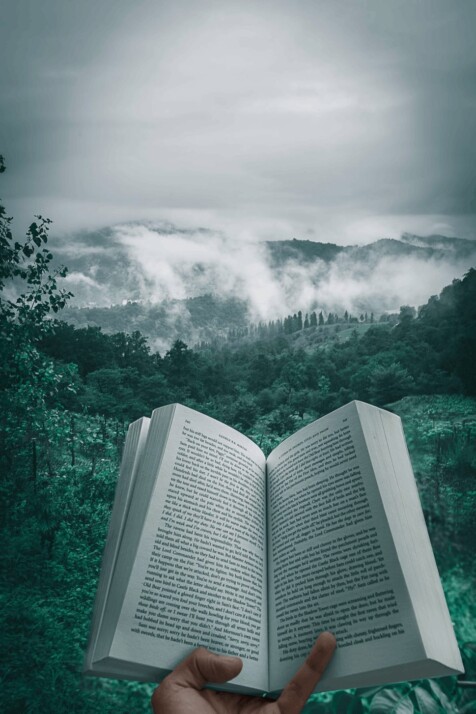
column 180, row 264
column 386, row 286
column 79, row 278
column 177, row 265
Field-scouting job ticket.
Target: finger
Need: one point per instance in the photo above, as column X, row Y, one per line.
column 203, row 666
column 297, row 692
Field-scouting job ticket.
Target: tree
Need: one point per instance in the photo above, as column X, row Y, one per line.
column 299, row 321
column 388, row 384
column 29, row 293
column 407, row 314
column 261, row 372
column 29, row 289
column 281, row 420
column 89, row 347
column 180, row 365
column 132, row 351
column 244, row 412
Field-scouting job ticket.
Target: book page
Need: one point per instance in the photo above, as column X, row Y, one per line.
column 400, row 497
column 333, row 564
column 131, row 459
column 199, row 578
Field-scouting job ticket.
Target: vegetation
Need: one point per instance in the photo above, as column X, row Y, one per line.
column 69, row 393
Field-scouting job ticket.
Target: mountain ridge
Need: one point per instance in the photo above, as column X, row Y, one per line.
column 162, row 269
column 109, row 266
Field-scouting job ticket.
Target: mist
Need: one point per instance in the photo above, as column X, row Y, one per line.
column 160, row 262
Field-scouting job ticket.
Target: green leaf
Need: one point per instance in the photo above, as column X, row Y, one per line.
column 426, row 703
column 391, row 701
column 440, row 696
column 367, row 692
column 312, row 707
column 447, row 685
column 346, row 703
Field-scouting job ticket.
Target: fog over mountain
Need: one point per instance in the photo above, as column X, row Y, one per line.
column 156, row 262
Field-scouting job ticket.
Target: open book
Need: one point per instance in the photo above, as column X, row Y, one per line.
column 212, row 544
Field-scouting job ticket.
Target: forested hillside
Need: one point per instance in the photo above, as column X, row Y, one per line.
column 69, row 393
column 270, row 383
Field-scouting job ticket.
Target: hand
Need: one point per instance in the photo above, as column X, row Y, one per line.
column 182, row 691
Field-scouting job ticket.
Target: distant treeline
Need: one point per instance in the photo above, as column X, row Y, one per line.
column 295, row 323
column 208, row 319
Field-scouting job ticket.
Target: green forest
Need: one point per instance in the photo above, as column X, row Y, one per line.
column 69, row 393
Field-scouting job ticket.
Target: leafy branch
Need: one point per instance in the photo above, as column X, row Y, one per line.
column 29, row 289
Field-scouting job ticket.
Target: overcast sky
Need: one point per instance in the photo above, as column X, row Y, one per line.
column 336, row 121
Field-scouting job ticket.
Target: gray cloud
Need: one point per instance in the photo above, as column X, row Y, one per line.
column 330, row 120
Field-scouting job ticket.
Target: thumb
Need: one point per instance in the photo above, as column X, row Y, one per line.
column 203, row 666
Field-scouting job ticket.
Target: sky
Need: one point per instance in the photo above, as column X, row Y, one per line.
column 339, row 121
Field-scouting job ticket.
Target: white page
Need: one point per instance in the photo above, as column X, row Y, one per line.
column 410, row 534
column 131, row 458
column 332, row 561
column 200, row 574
